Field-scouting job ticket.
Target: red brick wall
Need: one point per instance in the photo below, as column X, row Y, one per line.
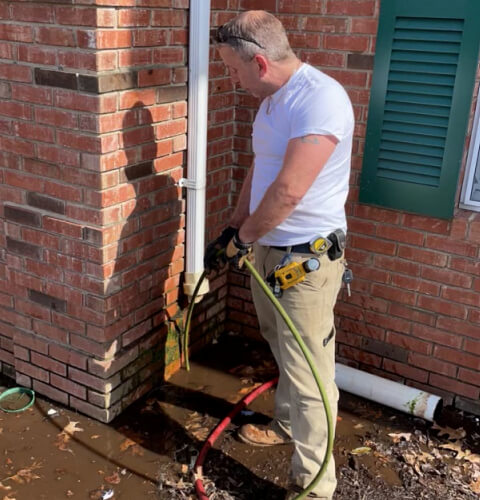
column 414, row 311
column 92, row 140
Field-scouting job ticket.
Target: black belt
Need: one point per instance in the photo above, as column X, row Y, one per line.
column 300, row 248
column 336, row 238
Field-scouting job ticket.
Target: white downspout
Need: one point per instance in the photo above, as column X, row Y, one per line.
column 199, row 40
column 401, row 397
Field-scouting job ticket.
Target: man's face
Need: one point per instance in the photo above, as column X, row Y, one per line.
column 243, row 73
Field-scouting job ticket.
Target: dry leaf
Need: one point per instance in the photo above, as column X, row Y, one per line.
column 3, row 487
column 127, row 444
column 196, row 425
column 113, row 479
column 475, row 486
column 461, row 455
column 198, row 431
column 64, row 437
column 381, row 457
column 71, row 428
column 358, row 426
column 449, row 432
column 425, row 457
column 132, row 446
column 456, row 446
column 410, row 458
column 362, row 450
column 26, row 475
column 249, row 389
column 471, row 457
column 401, row 435
column 95, row 436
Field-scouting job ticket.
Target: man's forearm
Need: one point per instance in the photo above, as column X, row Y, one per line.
column 304, row 160
column 242, row 208
column 277, row 204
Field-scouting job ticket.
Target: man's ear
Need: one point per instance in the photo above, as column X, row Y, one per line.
column 262, row 64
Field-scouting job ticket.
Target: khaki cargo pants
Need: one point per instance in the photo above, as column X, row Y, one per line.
column 298, row 404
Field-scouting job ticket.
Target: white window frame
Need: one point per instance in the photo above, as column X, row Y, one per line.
column 473, row 164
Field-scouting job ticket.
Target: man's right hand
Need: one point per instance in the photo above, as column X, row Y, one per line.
column 215, row 258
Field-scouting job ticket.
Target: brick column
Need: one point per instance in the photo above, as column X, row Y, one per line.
column 92, row 134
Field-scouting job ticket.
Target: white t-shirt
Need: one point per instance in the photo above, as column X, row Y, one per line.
column 311, row 102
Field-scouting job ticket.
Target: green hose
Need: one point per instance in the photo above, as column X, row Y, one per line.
column 306, row 353
column 186, row 333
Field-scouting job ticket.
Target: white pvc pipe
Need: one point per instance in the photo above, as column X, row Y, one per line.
column 401, row 397
column 197, row 143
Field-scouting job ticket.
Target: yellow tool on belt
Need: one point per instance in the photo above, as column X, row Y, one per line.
column 295, row 272
column 320, row 245
column 288, row 273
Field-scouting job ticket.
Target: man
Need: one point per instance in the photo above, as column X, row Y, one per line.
column 294, row 192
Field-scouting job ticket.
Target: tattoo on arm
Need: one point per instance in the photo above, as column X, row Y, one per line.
column 310, row 139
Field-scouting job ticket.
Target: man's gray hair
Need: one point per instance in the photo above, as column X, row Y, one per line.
column 255, row 32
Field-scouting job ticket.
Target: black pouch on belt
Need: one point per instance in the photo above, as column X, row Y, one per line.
column 338, row 241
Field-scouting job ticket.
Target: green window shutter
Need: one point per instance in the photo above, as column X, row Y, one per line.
column 424, row 72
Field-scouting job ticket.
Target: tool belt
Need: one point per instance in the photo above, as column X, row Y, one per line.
column 333, row 245
column 289, row 273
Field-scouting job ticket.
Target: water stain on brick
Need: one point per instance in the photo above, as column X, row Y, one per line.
column 92, row 235
column 360, row 61
column 171, row 93
column 22, row 248
column 5, row 90
column 56, row 79
column 385, row 350
column 117, row 81
column 22, row 216
column 88, row 83
column 107, row 83
column 140, row 170
column 46, row 203
column 49, row 301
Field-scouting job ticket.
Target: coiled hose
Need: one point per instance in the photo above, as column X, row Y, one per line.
column 308, row 356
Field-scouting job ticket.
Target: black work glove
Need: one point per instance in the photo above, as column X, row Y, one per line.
column 237, row 251
column 215, row 258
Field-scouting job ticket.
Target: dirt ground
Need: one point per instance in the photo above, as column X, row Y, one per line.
column 49, row 452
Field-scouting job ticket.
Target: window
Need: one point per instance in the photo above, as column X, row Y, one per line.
column 471, row 183
column 424, row 71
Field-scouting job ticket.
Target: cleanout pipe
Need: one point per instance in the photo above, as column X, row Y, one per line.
column 387, row 392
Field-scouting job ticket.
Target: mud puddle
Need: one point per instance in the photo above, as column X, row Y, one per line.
column 149, row 450
column 67, row 455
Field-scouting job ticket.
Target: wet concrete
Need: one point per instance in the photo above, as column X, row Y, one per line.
column 147, row 451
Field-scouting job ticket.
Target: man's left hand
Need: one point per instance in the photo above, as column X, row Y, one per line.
column 237, row 251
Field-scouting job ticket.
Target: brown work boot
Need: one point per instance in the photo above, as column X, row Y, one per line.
column 261, row 435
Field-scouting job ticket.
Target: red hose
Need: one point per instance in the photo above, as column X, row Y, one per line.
column 198, row 468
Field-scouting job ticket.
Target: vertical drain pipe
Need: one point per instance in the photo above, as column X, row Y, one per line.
column 195, row 183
